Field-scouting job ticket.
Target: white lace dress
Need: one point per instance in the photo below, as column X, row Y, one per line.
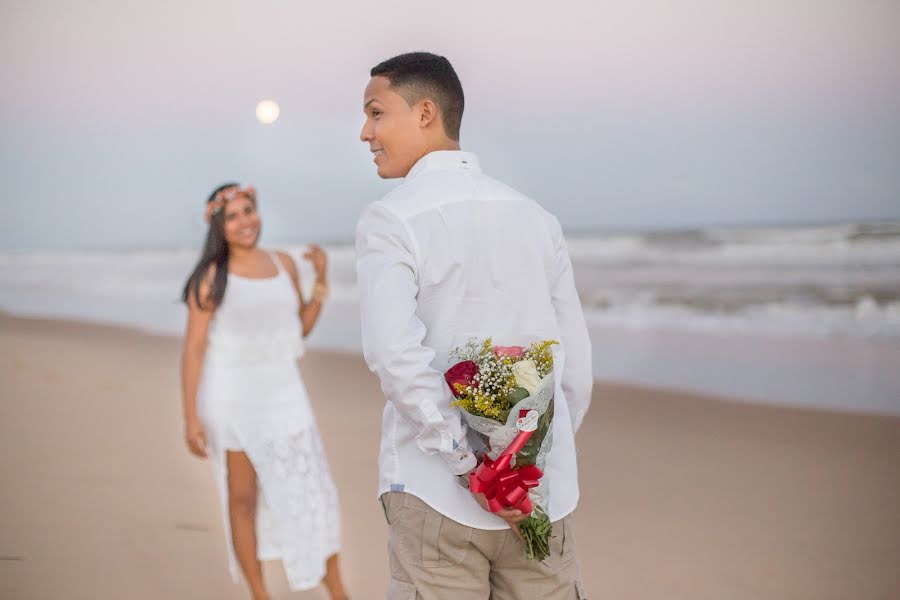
column 251, row 398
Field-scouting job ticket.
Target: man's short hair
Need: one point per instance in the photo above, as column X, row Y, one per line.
column 419, row 75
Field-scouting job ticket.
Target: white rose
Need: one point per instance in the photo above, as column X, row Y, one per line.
column 526, row 375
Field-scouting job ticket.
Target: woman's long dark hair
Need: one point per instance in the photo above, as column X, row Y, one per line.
column 215, row 252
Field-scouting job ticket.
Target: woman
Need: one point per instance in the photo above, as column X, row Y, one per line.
column 245, row 404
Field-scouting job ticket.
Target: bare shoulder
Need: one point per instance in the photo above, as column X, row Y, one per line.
column 206, row 279
column 201, row 287
column 288, row 262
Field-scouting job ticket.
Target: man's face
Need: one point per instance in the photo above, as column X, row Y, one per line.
column 392, row 129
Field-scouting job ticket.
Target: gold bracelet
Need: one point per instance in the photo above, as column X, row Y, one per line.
column 320, row 292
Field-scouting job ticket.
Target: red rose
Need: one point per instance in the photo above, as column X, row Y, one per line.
column 463, row 374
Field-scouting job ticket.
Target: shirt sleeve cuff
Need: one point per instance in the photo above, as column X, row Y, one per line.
column 460, row 460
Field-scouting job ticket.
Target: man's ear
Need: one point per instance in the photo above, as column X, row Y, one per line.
column 428, row 113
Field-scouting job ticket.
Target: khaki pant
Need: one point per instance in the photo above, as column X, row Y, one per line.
column 433, row 557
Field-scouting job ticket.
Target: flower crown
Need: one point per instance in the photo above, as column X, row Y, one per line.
column 225, row 196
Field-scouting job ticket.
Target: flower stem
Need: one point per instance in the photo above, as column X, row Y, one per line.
column 536, row 534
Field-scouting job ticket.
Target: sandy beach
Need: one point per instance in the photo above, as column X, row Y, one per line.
column 682, row 496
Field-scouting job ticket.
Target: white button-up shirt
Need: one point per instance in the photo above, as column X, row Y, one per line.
column 449, row 255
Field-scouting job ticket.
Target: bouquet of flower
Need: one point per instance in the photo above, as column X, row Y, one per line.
column 506, row 397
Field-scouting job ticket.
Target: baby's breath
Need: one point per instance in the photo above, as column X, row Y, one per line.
column 495, row 381
column 542, row 356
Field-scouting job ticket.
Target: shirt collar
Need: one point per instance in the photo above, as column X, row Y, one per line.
column 444, row 160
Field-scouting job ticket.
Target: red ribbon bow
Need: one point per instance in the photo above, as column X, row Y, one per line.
column 502, row 486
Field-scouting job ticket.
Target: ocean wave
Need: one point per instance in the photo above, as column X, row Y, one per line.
column 848, row 245
column 841, row 280
column 866, row 319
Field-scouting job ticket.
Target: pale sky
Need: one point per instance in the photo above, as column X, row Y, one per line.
column 117, row 117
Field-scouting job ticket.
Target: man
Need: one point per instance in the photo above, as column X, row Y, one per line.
column 449, row 255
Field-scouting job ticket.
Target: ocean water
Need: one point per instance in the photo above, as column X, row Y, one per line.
column 816, row 282
column 805, row 316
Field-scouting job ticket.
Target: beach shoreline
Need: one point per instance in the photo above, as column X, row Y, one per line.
column 804, row 316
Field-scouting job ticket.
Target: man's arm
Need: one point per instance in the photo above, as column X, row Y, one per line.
column 577, row 376
column 392, row 336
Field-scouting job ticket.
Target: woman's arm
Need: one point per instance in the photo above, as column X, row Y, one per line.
column 193, row 351
column 309, row 311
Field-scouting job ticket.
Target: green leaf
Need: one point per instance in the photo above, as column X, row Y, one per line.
column 536, row 532
column 517, row 394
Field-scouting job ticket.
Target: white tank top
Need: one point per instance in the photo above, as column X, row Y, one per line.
column 257, row 322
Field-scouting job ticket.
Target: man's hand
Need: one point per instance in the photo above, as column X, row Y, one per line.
column 512, row 516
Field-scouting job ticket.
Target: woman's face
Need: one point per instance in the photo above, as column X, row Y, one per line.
column 241, row 222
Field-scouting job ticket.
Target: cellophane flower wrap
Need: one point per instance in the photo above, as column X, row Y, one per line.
column 505, row 394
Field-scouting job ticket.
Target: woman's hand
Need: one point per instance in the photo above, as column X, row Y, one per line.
column 319, row 260
column 195, row 436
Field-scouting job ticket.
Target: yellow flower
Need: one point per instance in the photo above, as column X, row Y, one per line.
column 542, row 355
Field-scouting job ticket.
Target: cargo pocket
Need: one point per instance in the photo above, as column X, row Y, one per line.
column 445, row 542
column 401, row 590
column 423, row 537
